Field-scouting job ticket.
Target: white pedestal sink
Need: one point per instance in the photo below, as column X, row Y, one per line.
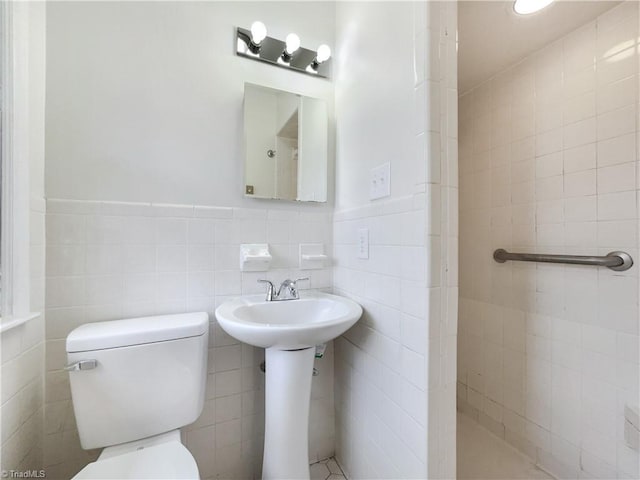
column 289, row 330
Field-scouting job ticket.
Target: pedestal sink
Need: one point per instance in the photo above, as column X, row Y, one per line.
column 289, row 331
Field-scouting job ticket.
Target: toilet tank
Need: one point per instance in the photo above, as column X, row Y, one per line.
column 135, row 378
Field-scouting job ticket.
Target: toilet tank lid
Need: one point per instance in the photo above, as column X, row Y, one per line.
column 136, row 331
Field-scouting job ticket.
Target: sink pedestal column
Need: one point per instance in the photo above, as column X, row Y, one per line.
column 287, row 399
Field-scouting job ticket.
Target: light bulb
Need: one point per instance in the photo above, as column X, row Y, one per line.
column 292, row 43
column 525, row 7
column 324, row 53
column 258, row 32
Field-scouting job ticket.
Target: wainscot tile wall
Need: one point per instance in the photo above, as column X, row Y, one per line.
column 395, row 370
column 548, row 354
column 381, row 379
column 109, row 260
column 22, row 375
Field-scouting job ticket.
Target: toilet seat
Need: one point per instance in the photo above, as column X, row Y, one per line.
column 169, row 460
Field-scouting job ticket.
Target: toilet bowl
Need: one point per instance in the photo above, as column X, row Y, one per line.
column 134, row 384
column 161, row 457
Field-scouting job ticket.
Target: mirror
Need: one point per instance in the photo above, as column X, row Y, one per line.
column 285, row 145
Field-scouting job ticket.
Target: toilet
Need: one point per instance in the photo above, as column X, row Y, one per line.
column 134, row 384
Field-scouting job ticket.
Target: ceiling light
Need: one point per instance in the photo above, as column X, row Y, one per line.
column 526, row 7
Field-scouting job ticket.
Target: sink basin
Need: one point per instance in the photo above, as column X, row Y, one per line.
column 289, row 331
column 312, row 319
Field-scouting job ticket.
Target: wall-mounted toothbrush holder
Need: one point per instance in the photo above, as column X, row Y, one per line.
column 312, row 256
column 254, row 257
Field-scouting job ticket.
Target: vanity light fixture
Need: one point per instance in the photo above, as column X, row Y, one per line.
column 526, row 7
column 256, row 45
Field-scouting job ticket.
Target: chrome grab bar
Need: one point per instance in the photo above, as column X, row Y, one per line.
column 618, row 261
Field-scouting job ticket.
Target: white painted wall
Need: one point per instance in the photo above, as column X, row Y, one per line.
column 548, row 354
column 376, row 104
column 145, row 99
column 145, row 106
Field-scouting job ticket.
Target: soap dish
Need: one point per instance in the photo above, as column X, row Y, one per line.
column 312, row 256
column 254, row 257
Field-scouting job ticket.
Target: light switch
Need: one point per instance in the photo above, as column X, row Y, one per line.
column 363, row 243
column 380, row 182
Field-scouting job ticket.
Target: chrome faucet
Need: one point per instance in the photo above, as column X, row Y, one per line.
column 288, row 290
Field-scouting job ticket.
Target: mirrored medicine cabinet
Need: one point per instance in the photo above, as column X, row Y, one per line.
column 285, row 145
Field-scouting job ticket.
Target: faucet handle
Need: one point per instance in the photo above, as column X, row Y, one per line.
column 300, row 279
column 270, row 289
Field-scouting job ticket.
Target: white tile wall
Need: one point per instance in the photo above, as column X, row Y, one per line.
column 381, row 383
column 548, row 354
column 22, row 377
column 108, row 260
column 395, row 370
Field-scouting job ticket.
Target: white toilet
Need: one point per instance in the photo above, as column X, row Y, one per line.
column 134, row 384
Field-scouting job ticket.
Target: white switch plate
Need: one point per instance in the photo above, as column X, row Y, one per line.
column 363, row 243
column 380, row 182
